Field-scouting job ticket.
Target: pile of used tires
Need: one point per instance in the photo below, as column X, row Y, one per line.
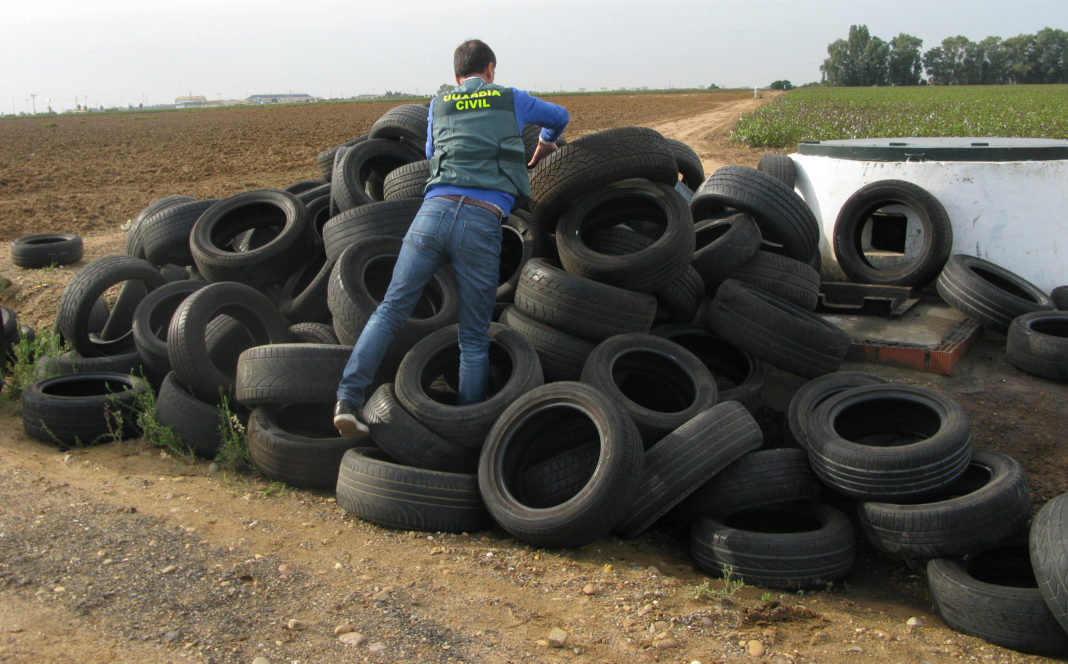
column 638, row 308
column 903, row 454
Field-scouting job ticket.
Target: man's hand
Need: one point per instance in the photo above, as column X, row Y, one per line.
column 542, row 151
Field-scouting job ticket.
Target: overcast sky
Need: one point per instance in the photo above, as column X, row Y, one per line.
column 118, row 52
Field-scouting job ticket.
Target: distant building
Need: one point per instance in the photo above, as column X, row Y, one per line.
column 280, row 99
column 189, row 101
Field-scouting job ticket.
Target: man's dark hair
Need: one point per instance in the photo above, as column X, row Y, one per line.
column 472, row 57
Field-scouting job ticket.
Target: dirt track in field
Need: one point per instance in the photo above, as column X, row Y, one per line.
column 116, row 554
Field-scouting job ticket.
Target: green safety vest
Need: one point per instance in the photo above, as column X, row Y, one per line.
column 477, row 141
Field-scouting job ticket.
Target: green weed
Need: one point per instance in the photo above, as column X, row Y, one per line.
column 233, row 449
column 730, row 586
column 22, row 362
column 277, row 488
column 703, row 591
column 156, row 434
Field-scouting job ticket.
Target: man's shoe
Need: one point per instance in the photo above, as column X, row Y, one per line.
column 348, row 422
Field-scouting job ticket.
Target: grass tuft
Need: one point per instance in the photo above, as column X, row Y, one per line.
column 233, row 452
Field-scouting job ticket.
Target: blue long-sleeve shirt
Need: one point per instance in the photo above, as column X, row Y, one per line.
column 552, row 118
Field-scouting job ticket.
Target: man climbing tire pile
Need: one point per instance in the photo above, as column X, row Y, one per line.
column 477, row 175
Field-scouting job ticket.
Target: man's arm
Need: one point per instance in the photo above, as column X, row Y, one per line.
column 552, row 118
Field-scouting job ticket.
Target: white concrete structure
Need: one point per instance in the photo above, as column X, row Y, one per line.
column 1007, row 198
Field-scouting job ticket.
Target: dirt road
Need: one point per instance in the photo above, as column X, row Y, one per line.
column 117, row 554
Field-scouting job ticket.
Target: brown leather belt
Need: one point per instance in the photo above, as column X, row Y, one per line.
column 467, row 200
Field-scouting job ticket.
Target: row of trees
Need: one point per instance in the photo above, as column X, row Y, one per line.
column 866, row 60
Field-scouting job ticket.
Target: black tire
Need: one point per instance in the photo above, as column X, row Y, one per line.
column 289, row 373
column 407, row 181
column 187, row 342
column 85, row 288
column 132, row 243
column 368, row 162
column 987, row 505
column 151, row 321
column 376, row 489
column 850, row 231
column 559, row 477
column 82, row 408
column 520, row 241
column 775, row 330
column 684, row 191
column 782, row 215
column 761, row 478
column 1059, row 295
column 679, row 299
column 594, row 161
column 313, row 333
column 1048, row 548
column 659, row 383
column 514, row 371
column 781, row 276
column 302, row 186
column 645, row 270
column 407, row 440
column 688, row 457
column 814, row 392
column 196, row 422
column 120, row 318
column 888, row 442
column 780, row 167
column 270, row 263
column 359, row 281
column 406, row 123
column 302, row 298
column 314, row 194
column 297, row 444
column 988, row 293
column 722, row 245
column 580, row 306
column 525, row 435
column 70, row 362
column 392, row 218
column 1037, row 343
column 9, row 337
column 325, row 159
column 794, row 546
column 739, row 375
column 175, row 273
column 98, row 318
column 993, row 594
column 318, row 214
column 691, row 170
column 562, row 355
column 165, row 235
column 44, row 249
column 226, row 339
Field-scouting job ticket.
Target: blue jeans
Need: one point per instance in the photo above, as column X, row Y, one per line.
column 443, row 231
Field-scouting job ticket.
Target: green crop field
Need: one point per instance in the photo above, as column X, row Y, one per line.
column 819, row 113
